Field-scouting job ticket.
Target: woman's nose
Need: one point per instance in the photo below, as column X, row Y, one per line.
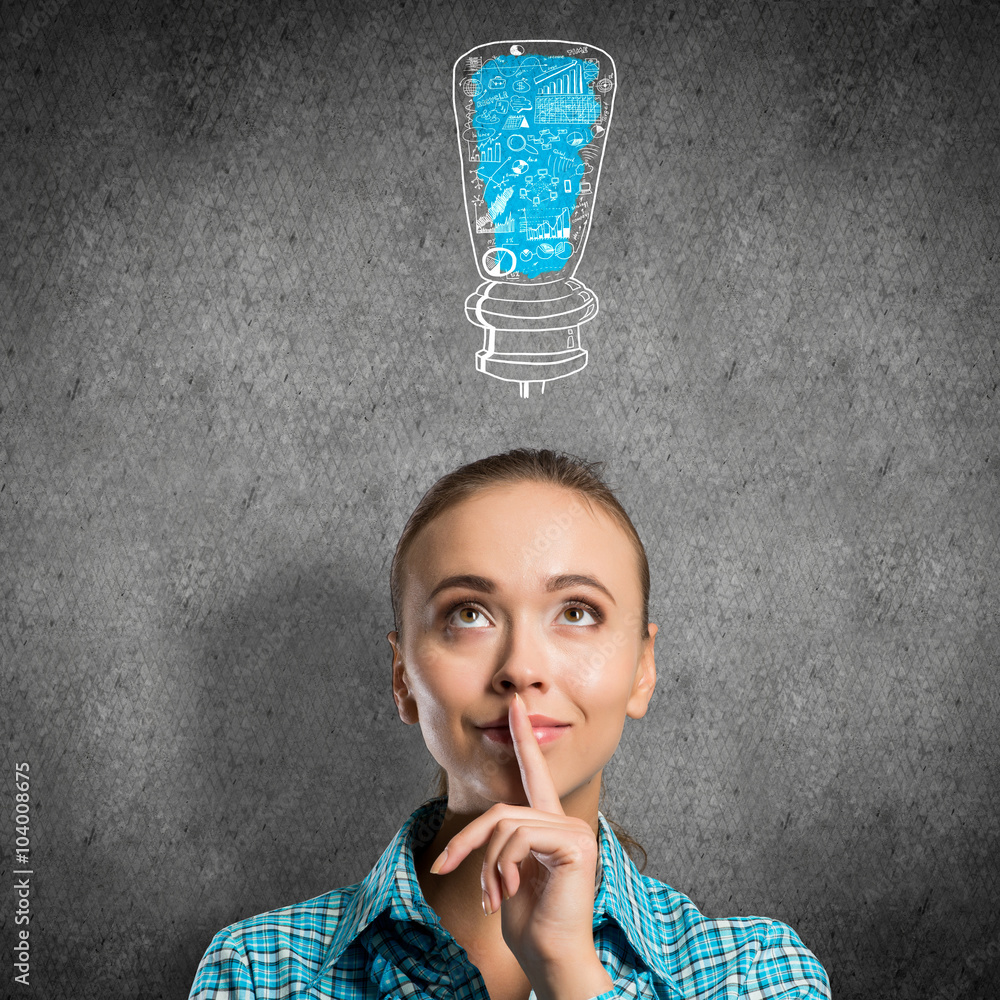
column 522, row 659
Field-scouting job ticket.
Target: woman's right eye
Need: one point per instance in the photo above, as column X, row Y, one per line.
column 468, row 616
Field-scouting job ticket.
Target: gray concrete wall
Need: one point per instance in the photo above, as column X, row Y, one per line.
column 234, row 355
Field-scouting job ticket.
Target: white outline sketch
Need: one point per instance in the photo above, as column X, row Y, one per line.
column 531, row 155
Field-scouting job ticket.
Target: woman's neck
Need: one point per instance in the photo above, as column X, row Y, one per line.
column 456, row 897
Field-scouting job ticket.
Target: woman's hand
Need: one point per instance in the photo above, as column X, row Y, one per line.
column 539, row 872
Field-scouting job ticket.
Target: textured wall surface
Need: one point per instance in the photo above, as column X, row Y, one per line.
column 234, row 354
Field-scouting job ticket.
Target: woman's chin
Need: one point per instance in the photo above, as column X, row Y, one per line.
column 486, row 791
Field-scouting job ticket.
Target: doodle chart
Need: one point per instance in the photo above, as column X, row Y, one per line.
column 533, row 140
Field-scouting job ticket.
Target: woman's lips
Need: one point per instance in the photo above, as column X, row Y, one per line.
column 536, row 719
column 544, row 734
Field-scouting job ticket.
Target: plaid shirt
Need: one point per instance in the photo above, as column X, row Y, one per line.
column 379, row 940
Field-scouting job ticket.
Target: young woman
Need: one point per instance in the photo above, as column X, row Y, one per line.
column 520, row 590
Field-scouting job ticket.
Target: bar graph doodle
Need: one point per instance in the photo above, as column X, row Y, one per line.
column 532, row 119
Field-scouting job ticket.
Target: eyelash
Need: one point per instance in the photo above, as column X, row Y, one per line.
column 571, row 602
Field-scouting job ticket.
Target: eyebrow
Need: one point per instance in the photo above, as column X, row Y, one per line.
column 485, row 586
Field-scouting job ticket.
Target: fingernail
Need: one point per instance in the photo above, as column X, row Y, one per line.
column 487, row 903
column 439, row 863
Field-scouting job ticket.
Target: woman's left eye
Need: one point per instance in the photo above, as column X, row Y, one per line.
column 576, row 614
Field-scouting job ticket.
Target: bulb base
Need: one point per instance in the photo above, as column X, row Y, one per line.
column 531, row 332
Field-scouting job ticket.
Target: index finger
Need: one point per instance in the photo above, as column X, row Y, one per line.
column 535, row 774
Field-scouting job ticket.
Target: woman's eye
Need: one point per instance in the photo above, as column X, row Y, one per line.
column 468, row 617
column 577, row 615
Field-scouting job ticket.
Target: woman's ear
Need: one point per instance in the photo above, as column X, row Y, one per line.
column 645, row 678
column 405, row 704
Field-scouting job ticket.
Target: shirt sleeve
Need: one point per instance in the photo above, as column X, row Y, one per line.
column 785, row 969
column 224, row 972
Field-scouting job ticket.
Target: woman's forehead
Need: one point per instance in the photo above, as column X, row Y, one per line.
column 527, row 504
column 528, row 524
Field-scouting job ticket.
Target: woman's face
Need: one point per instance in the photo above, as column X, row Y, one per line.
column 522, row 588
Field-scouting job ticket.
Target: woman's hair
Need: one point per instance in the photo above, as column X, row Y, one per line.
column 519, row 466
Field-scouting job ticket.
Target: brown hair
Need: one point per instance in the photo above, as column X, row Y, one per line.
column 517, row 466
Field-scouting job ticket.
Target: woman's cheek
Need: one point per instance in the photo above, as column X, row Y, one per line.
column 432, row 671
column 594, row 664
column 455, row 678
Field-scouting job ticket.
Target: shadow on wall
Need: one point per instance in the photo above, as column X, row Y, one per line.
column 298, row 763
column 886, row 920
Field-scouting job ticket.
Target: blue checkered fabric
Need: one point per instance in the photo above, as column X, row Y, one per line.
column 379, row 940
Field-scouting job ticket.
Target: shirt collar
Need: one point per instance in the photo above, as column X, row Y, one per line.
column 392, row 883
column 623, row 896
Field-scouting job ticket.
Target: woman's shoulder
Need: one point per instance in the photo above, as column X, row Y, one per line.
column 682, row 913
column 279, row 953
column 314, row 912
column 657, row 911
column 678, row 908
column 286, row 946
column 761, row 950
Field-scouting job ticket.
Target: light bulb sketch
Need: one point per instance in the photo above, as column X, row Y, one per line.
column 532, row 119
